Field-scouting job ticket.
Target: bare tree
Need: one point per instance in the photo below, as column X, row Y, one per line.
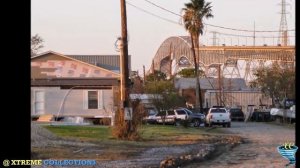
column 36, row 44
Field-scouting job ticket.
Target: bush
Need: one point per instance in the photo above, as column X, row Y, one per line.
column 104, row 121
column 128, row 130
column 185, row 123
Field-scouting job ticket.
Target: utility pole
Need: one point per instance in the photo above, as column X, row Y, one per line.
column 144, row 73
column 220, row 85
column 254, row 35
column 153, row 66
column 124, row 70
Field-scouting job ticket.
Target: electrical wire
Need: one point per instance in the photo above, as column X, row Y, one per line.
column 163, row 8
column 222, row 27
column 150, row 13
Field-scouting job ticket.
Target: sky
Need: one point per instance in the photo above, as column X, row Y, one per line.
column 93, row 26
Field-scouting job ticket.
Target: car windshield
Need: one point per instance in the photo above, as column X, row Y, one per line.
column 151, row 112
column 171, row 112
column 218, row 110
column 161, row 113
column 188, row 111
column 235, row 110
column 180, row 112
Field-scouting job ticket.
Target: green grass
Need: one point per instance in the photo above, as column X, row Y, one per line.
column 162, row 131
column 81, row 132
column 147, row 132
column 112, row 149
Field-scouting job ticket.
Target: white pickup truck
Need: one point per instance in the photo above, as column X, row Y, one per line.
column 218, row 116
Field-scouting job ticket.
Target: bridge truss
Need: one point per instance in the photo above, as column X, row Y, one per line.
column 175, row 53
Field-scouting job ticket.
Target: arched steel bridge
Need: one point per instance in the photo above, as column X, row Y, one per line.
column 175, row 53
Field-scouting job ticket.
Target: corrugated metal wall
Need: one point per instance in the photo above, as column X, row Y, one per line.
column 238, row 98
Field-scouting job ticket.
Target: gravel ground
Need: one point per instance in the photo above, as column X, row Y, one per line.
column 152, row 158
column 259, row 151
column 42, row 138
column 148, row 158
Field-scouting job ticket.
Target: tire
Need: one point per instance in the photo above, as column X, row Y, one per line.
column 229, row 125
column 196, row 123
column 224, row 125
column 177, row 122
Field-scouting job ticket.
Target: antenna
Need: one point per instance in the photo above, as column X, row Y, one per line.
column 254, row 35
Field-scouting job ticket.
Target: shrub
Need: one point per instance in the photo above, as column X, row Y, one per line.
column 128, row 130
column 104, row 121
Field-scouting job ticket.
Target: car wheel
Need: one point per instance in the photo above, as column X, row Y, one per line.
column 177, row 122
column 229, row 125
column 196, row 123
column 206, row 125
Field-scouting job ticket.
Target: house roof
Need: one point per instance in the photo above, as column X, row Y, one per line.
column 73, row 59
column 211, row 83
column 78, row 82
column 110, row 62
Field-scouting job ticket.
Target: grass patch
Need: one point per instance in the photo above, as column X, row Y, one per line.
column 108, row 148
column 81, row 132
column 148, row 133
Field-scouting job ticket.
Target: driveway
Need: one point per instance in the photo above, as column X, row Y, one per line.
column 259, row 149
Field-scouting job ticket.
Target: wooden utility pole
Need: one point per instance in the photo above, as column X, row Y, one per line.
column 124, row 57
column 144, row 73
column 124, row 70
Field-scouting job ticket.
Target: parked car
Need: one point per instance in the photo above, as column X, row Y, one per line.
column 165, row 117
column 196, row 119
column 150, row 117
column 237, row 114
column 218, row 116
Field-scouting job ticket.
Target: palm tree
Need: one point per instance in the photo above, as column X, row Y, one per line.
column 194, row 12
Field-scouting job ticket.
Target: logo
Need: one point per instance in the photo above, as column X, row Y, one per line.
column 288, row 150
column 6, row 163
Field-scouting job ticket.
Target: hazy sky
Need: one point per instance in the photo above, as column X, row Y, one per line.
column 92, row 26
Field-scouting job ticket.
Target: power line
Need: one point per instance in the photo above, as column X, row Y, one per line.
column 150, row 13
column 162, row 8
column 265, row 31
column 222, row 27
column 236, row 35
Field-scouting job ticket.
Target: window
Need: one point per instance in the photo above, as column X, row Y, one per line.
column 39, row 103
column 93, row 99
column 180, row 112
column 162, row 113
column 171, row 112
column 218, row 111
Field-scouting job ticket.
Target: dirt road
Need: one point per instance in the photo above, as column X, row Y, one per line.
column 259, row 150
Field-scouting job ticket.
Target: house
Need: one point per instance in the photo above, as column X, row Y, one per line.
column 62, row 86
